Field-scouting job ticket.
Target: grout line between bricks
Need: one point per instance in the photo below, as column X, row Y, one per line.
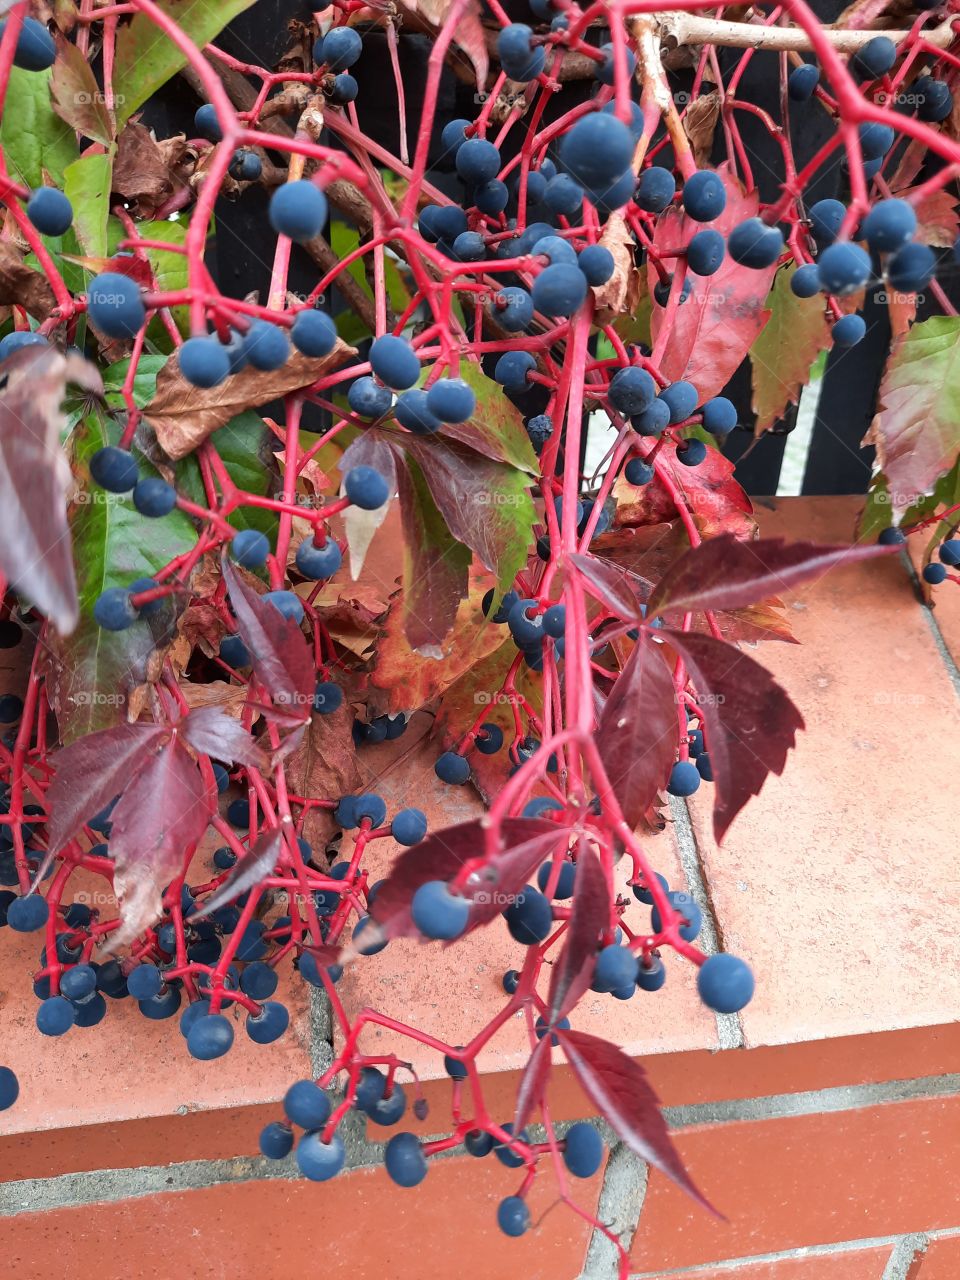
column 620, row 1205
column 729, row 1031
column 109, row 1185
column 913, row 1247
column 814, row 1102
column 930, row 614
column 908, row 1251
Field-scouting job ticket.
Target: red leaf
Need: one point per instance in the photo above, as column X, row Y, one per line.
column 614, row 587
column 279, row 654
column 714, row 329
column 533, row 1082
column 709, row 492
column 526, row 842
column 751, row 722
column 161, row 815
column 36, row 553
column 573, row 972
column 258, row 861
column 212, row 732
column 726, row 573
column 435, row 566
column 91, row 772
column 639, row 730
column 619, row 1089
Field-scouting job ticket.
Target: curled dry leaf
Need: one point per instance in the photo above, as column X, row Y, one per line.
column 621, row 293
column 77, row 97
column 22, row 286
column 469, row 31
column 183, row 415
column 145, row 174
column 36, row 553
column 699, row 123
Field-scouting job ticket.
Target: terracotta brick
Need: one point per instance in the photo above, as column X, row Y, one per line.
column 860, row 1264
column 941, row 1260
column 357, row 1227
column 839, row 882
column 195, row 1135
column 807, row 1180
column 150, row 1070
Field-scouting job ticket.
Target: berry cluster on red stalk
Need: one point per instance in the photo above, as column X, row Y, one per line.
column 620, row 682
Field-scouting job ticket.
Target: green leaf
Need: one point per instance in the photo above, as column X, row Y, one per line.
column 33, row 136
column 917, row 428
column 146, row 58
column 344, row 240
column 435, row 566
column 170, row 270
column 86, row 184
column 242, row 446
column 785, row 350
column 144, row 382
column 93, row 671
column 496, row 429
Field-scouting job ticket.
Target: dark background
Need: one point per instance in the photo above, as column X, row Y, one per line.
column 243, row 248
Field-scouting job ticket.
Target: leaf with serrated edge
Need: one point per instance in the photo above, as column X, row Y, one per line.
column 785, row 349
column 435, row 566
column 212, row 732
column 917, row 427
column 751, row 722
column 76, row 96
column 619, row 1089
column 727, row 573
column 163, row 812
column 639, row 730
column 279, row 654
column 258, row 861
column 93, row 771
column 590, row 915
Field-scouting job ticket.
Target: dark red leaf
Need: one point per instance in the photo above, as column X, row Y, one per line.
column 158, row 820
column 614, row 587
column 279, row 654
column 639, row 730
column 435, row 566
column 750, row 721
column 36, row 554
column 619, row 1089
column 709, row 491
column 91, row 772
column 727, row 573
column 525, row 843
column 212, row 732
column 371, row 448
column 533, row 1082
column 258, row 861
column 573, row 971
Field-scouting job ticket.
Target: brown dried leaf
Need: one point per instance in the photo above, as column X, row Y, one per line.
column 76, row 96
column 203, row 627
column 218, row 693
column 142, row 174
column 468, row 34
column 21, row 285
column 325, row 764
column 699, row 123
column 621, row 293
column 183, row 415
